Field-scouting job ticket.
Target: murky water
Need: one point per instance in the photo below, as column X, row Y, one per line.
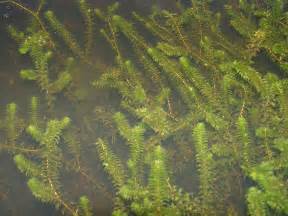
column 15, row 197
column 91, row 110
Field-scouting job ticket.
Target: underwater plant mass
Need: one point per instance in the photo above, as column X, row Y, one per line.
column 164, row 111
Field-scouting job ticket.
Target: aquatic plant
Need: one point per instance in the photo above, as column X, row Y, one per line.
column 205, row 165
column 221, row 89
column 13, row 126
column 43, row 176
column 268, row 33
column 85, row 206
column 184, row 75
column 270, row 196
column 65, row 34
column 82, row 53
column 41, row 163
column 36, row 44
column 134, row 195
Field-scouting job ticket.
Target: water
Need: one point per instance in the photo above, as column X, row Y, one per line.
column 15, row 197
column 91, row 109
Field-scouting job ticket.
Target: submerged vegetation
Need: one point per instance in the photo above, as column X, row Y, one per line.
column 192, row 101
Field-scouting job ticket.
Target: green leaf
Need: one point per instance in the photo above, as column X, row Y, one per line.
column 28, row 74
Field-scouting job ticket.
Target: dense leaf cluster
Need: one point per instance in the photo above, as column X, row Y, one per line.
column 189, row 94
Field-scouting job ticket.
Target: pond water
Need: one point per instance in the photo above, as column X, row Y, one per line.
column 15, row 197
column 159, row 91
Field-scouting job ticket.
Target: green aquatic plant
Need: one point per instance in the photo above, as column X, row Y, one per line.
column 135, row 138
column 65, row 34
column 245, row 141
column 110, row 32
column 12, row 124
column 158, row 178
column 34, row 111
column 268, row 33
column 69, row 39
column 36, row 45
column 183, row 73
column 85, row 206
column 44, row 176
column 48, row 172
column 13, row 128
column 35, row 13
column 41, row 163
column 36, row 41
column 173, row 69
column 87, row 14
column 205, row 163
column 111, row 163
column 271, row 195
column 117, row 24
column 73, row 143
column 226, row 78
column 134, row 195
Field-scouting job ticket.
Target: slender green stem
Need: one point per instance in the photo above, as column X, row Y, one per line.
column 32, row 13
